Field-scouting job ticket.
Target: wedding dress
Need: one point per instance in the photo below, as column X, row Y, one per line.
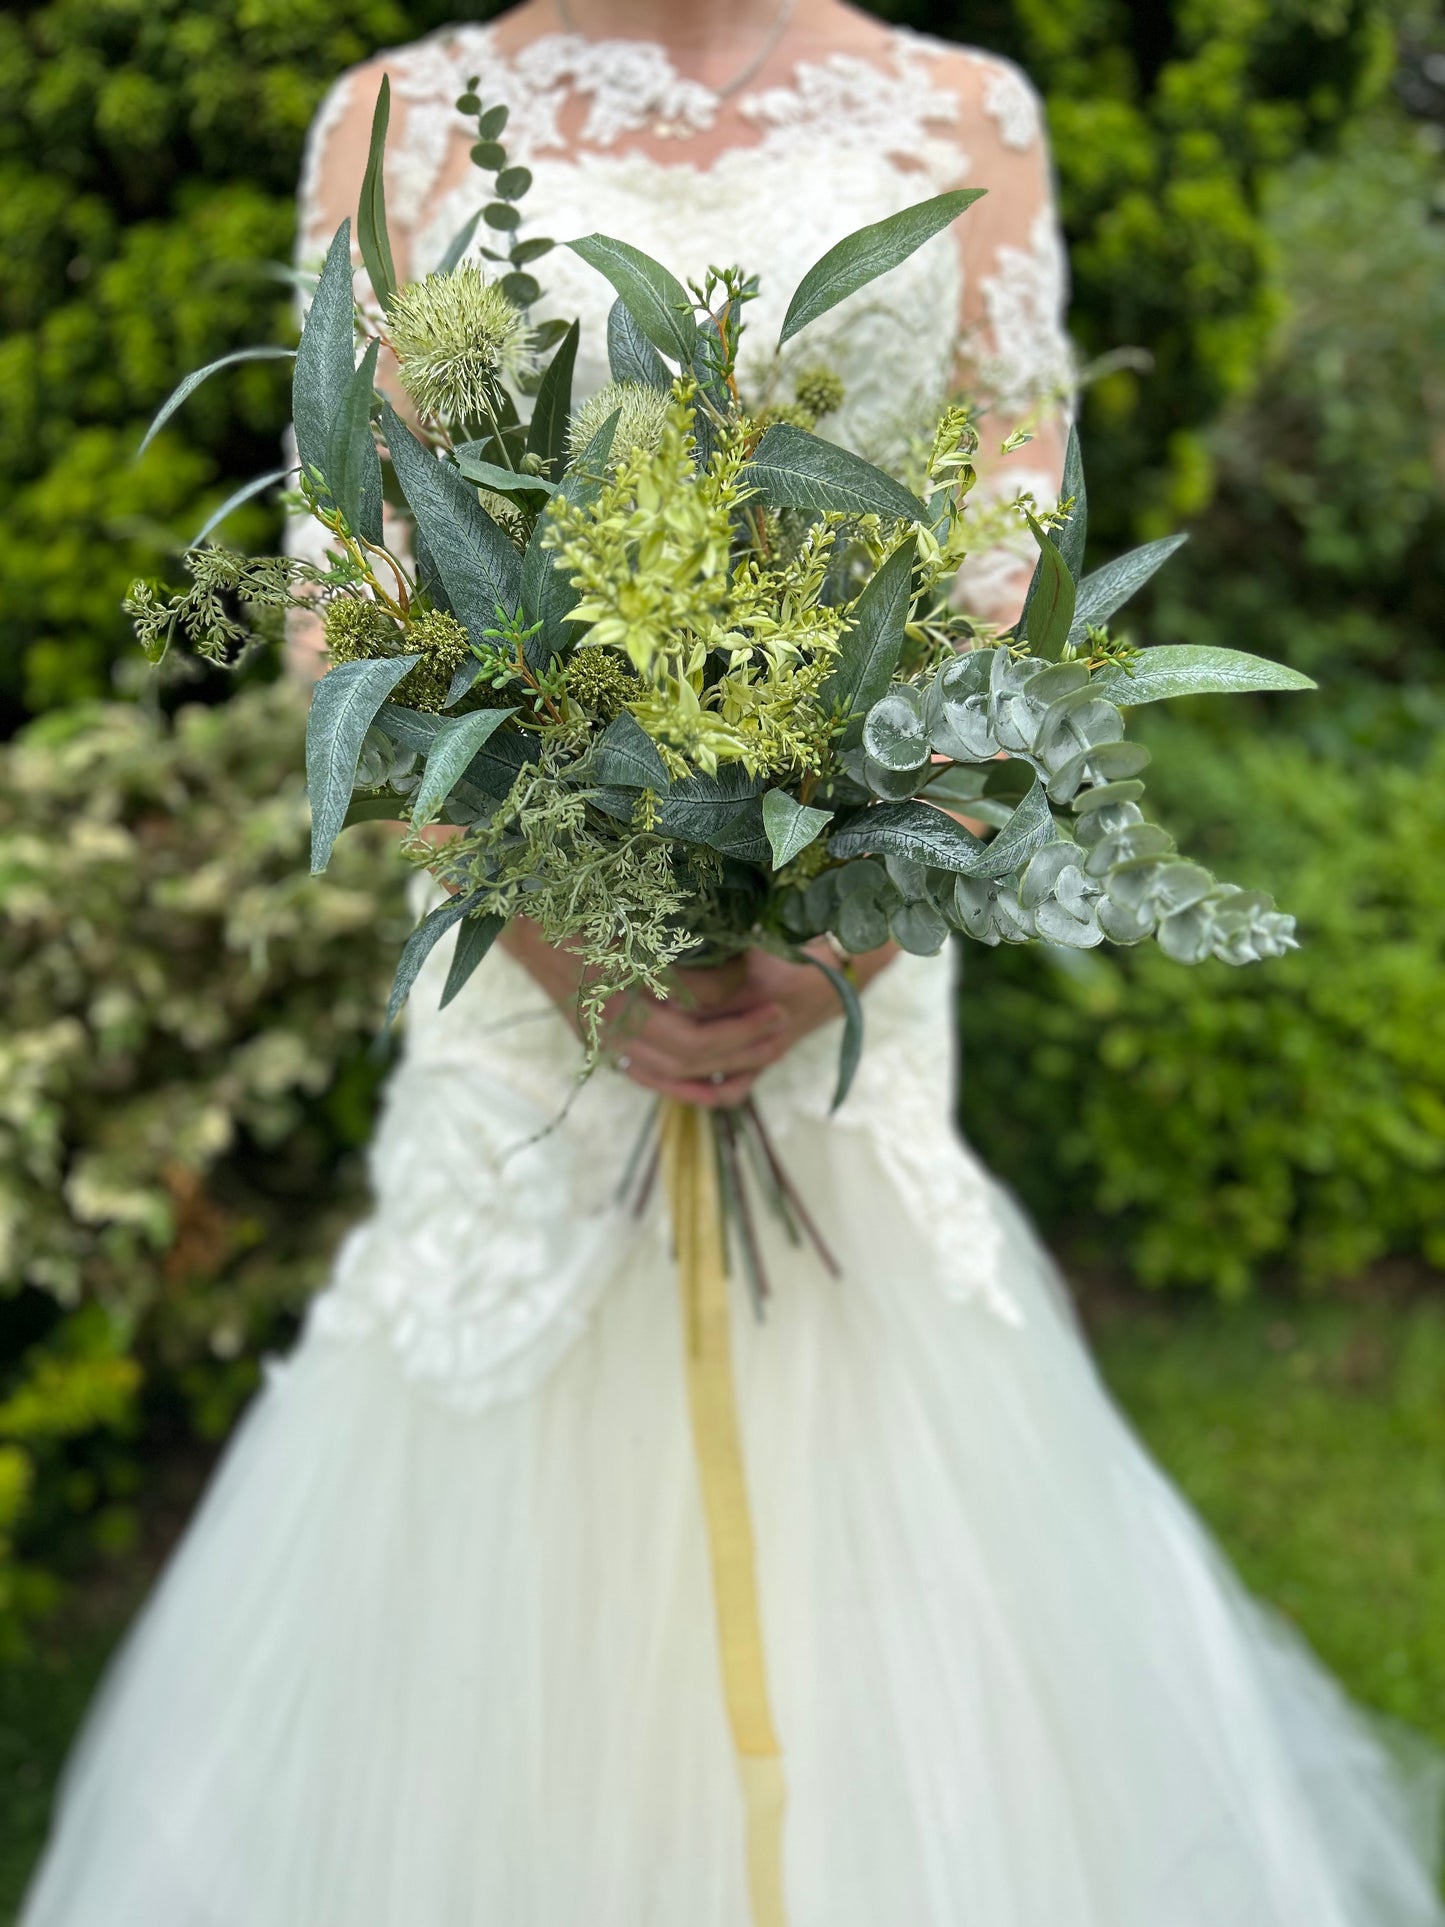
column 438, row 1649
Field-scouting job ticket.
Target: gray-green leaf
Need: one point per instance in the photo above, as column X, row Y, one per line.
column 547, row 430
column 625, row 756
column 657, row 301
column 1109, row 588
column 790, row 825
column 1192, row 669
column 193, row 381
column 793, row 469
column 353, row 467
column 850, row 1050
column 474, row 940
column 371, row 235
column 456, row 742
column 862, row 256
column 547, row 593
column 346, row 701
column 326, row 355
column 479, row 568
column 872, row 643
column 630, row 355
column 723, row 811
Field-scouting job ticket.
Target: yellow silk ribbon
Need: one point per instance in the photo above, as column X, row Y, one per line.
column 690, row 1164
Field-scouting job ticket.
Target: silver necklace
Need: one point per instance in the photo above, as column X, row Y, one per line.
column 776, row 29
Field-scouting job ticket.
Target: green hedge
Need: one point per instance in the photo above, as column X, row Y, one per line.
column 149, row 152
column 186, row 1074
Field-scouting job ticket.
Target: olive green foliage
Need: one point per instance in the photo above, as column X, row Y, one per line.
column 180, row 1067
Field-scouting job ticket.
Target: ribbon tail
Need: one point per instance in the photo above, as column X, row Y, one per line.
column 690, row 1162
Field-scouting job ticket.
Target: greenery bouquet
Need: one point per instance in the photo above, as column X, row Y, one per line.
column 683, row 674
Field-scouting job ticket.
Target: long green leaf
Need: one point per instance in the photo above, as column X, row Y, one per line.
column 862, row 256
column 547, row 431
column 912, row 830
column 1074, row 533
column 658, row 302
column 505, row 481
column 1192, row 669
column 459, row 244
column 872, row 643
column 419, row 946
column 790, row 825
column 371, row 235
column 453, row 747
column 630, row 355
column 793, row 469
column 1049, row 612
column 480, row 569
column 626, row 757
column 1109, row 588
column 193, row 381
column 474, row 940
column 1027, row 831
column 342, row 710
column 256, row 486
column 326, row 357
column 724, row 811
column 353, row 467
column 850, row 1051
column 547, row 594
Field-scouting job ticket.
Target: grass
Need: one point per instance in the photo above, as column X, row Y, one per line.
column 1311, row 1437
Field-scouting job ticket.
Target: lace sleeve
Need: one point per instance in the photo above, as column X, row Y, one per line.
column 1017, row 359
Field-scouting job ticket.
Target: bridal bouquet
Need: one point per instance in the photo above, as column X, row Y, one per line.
column 683, row 673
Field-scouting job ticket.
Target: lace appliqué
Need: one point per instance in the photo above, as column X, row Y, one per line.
column 1013, row 104
column 1032, row 360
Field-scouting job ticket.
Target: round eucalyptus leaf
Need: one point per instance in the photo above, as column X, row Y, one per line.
column 1099, row 765
column 963, row 732
column 378, row 759
column 910, row 879
column 919, row 929
column 820, row 900
column 1043, row 873
column 893, row 731
column 795, row 918
column 1179, row 885
column 1074, row 892
column 1013, row 923
column 973, row 906
column 1121, row 925
column 1057, row 680
column 1187, row 935
column 1106, row 795
column 1138, row 839
column 1132, row 885
column 866, row 875
column 861, row 924
column 893, row 785
column 1016, row 722
column 966, row 675
column 1056, row 925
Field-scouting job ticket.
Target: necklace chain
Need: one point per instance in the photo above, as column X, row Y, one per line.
column 777, row 27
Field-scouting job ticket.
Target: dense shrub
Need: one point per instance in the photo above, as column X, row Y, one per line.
column 184, row 1064
column 149, row 150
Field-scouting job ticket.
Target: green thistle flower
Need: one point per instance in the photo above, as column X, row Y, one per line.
column 639, row 425
column 819, row 391
column 456, row 337
column 443, row 644
column 356, row 631
column 792, row 414
column 597, row 681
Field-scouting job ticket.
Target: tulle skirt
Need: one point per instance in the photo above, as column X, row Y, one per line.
column 423, row 1666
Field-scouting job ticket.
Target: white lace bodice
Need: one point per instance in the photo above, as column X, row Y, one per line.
column 490, row 1241
column 619, row 142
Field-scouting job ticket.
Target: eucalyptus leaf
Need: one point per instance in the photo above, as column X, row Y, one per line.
column 919, row 929
column 911, row 829
column 862, row 256
column 1109, row 588
column 724, row 811
column 547, row 430
column 346, row 701
column 1049, row 611
column 871, row 645
column 258, row 485
column 1028, row 830
column 478, row 565
column 325, row 356
column 474, row 940
column 353, row 467
column 630, row 355
column 893, row 730
column 626, row 756
column 791, row 826
column 657, row 301
column 1193, row 669
column 793, row 469
column 453, row 748
column 851, row 1048
column 371, row 234
column 193, row 381
column 420, row 944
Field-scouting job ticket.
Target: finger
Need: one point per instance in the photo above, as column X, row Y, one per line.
column 725, row 1096
column 712, row 1044
column 685, row 1066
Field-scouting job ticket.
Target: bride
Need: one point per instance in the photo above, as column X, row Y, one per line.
column 439, row 1648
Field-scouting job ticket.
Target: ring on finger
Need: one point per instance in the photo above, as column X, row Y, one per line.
column 624, row 1062
column 718, row 1077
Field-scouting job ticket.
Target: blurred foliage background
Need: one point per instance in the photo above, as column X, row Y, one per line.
column 1254, row 194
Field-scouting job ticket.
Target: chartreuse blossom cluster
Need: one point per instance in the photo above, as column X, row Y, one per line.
column 728, row 652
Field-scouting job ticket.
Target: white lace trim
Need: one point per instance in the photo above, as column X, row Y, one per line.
column 1013, row 104
column 1031, row 359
